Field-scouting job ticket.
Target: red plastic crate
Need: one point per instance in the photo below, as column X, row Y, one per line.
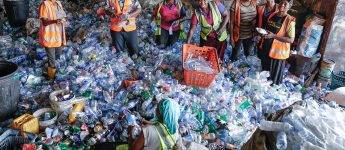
column 195, row 78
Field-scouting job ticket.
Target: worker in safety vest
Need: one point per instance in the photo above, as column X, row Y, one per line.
column 52, row 32
column 281, row 33
column 242, row 27
column 169, row 16
column 163, row 134
column 123, row 27
column 264, row 11
column 212, row 17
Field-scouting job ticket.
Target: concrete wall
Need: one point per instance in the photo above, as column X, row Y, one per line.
column 335, row 48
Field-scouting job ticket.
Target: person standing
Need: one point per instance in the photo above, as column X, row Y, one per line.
column 52, row 34
column 169, row 14
column 242, row 23
column 281, row 33
column 123, row 27
column 213, row 18
column 264, row 10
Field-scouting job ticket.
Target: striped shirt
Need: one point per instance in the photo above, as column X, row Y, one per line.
column 248, row 15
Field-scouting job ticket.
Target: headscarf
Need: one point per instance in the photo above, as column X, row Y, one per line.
column 170, row 111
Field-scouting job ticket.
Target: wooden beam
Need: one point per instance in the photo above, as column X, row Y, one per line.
column 330, row 7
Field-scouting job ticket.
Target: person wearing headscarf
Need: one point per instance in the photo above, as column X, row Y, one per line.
column 169, row 16
column 281, row 33
column 164, row 133
column 213, row 18
column 52, row 34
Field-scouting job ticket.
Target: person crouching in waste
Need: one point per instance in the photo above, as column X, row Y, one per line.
column 213, row 18
column 281, row 33
column 169, row 16
column 52, row 32
column 123, row 27
column 164, row 133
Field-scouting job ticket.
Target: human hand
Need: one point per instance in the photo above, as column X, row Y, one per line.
column 123, row 17
column 220, row 31
column 270, row 35
column 175, row 23
column 59, row 21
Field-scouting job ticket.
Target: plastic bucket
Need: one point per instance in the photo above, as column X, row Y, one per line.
column 338, row 79
column 9, row 89
column 17, row 12
column 327, row 66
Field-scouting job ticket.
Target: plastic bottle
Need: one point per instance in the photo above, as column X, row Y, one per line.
column 274, row 126
column 281, row 141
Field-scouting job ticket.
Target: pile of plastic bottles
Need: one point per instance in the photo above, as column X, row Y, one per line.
column 226, row 113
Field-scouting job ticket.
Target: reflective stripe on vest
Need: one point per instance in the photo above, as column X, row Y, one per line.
column 165, row 138
column 159, row 20
column 115, row 24
column 206, row 28
column 281, row 50
column 51, row 36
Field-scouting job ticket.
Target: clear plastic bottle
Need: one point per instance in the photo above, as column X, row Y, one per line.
column 281, row 141
column 274, row 126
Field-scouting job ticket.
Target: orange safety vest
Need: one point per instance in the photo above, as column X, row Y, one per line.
column 281, row 50
column 50, row 35
column 261, row 11
column 115, row 24
column 237, row 21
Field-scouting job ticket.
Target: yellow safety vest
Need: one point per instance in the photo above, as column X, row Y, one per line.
column 158, row 20
column 206, row 28
column 161, row 131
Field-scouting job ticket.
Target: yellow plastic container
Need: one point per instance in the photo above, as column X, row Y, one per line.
column 27, row 123
column 78, row 107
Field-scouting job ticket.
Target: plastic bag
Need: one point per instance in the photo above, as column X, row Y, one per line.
column 310, row 37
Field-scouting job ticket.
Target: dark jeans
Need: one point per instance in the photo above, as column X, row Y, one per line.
column 123, row 38
column 248, row 48
column 53, row 53
column 167, row 39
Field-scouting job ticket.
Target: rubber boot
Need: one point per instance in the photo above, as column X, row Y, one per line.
column 51, row 73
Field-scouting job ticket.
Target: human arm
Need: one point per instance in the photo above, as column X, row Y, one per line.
column 232, row 40
column 225, row 17
column 193, row 22
column 232, row 22
column 153, row 18
column 183, row 16
column 136, row 144
column 49, row 22
column 43, row 15
column 289, row 36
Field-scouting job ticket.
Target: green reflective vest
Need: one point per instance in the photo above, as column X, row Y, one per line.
column 158, row 20
column 206, row 28
column 167, row 142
